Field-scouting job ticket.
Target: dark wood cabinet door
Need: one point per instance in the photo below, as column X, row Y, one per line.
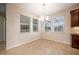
column 74, row 18
column 74, row 42
column 78, row 43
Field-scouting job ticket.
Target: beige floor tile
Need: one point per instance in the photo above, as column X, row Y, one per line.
column 42, row 47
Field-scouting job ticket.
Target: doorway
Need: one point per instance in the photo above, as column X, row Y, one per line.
column 2, row 26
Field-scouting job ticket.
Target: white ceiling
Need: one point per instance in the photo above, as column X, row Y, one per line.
column 38, row 9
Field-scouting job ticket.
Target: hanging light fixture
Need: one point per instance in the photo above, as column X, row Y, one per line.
column 44, row 17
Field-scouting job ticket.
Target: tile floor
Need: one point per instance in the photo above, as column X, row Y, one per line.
column 2, row 45
column 42, row 47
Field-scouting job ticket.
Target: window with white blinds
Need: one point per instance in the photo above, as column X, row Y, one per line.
column 58, row 24
column 35, row 25
column 47, row 25
column 25, row 22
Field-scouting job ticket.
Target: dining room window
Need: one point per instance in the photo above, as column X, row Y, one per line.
column 58, row 24
column 35, row 25
column 47, row 25
column 25, row 22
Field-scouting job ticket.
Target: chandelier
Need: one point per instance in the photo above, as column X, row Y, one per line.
column 44, row 17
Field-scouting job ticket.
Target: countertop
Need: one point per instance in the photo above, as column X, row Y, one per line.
column 74, row 32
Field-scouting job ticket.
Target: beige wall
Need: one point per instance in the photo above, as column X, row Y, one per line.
column 14, row 36
column 63, row 37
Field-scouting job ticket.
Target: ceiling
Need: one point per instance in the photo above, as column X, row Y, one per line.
column 38, row 9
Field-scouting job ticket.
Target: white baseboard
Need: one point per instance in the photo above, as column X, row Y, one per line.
column 20, row 44
column 64, row 42
column 34, row 40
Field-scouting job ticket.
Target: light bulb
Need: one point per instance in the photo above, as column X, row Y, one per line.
column 47, row 18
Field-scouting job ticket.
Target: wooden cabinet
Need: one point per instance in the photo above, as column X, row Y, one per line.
column 75, row 41
column 74, row 18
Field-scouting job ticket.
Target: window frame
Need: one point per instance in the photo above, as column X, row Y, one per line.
column 24, row 24
column 35, row 24
column 58, row 24
column 47, row 25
